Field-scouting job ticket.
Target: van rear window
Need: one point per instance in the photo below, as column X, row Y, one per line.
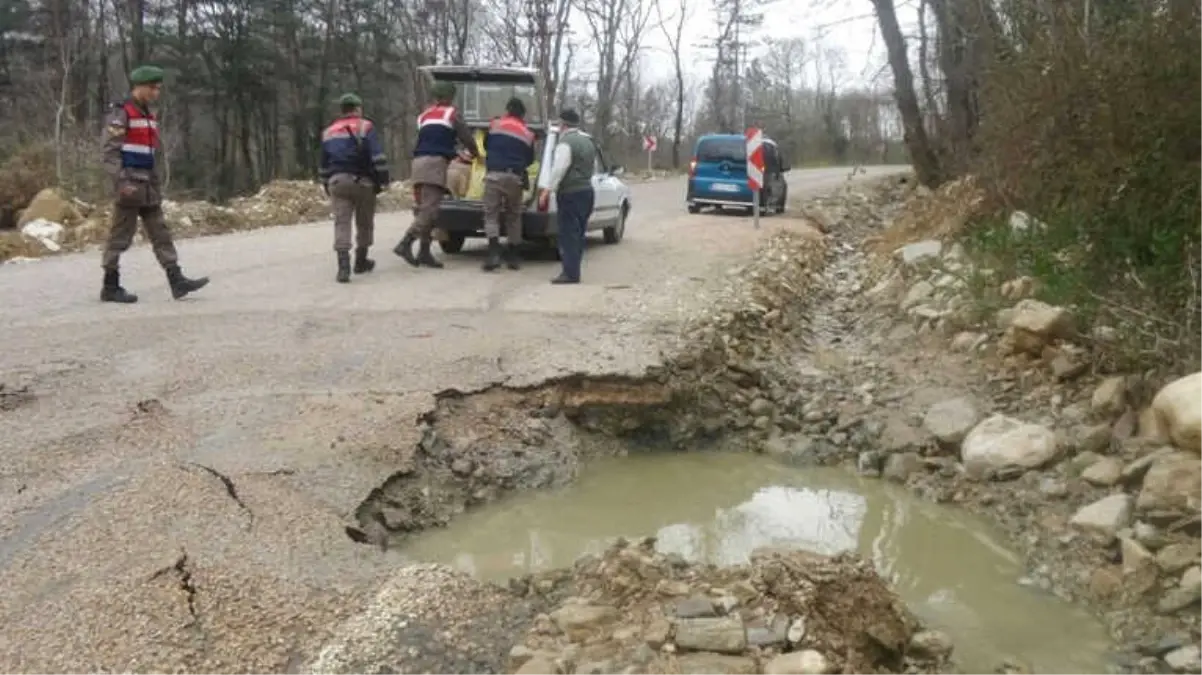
column 722, row 149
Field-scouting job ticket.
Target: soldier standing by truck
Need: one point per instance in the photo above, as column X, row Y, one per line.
column 353, row 171
column 508, row 154
column 438, row 128
column 129, row 160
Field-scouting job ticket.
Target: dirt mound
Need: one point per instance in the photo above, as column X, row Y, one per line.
column 15, row 245
column 633, row 609
column 51, row 205
column 282, row 202
column 22, row 176
column 941, row 214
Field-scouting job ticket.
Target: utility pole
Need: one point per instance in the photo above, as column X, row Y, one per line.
column 738, row 79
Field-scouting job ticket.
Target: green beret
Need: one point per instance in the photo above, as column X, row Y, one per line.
column 146, row 75
column 351, row 99
column 443, row 91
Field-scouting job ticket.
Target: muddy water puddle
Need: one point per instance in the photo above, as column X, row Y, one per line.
column 950, row 568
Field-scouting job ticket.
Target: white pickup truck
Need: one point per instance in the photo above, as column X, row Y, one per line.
column 480, row 95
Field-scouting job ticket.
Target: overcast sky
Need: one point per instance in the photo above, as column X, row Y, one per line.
column 847, row 25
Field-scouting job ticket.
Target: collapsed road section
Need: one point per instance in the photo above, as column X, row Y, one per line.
column 725, row 382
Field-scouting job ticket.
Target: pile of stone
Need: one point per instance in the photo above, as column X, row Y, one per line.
column 925, row 215
column 725, row 365
column 1099, row 478
column 634, row 610
column 735, row 360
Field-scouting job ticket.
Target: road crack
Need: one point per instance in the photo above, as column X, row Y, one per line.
column 182, row 569
column 230, row 488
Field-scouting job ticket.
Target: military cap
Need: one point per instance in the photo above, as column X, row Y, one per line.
column 146, row 75
column 569, row 117
column 443, row 91
column 351, row 99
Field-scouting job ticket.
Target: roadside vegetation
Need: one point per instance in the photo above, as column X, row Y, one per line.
column 1084, row 118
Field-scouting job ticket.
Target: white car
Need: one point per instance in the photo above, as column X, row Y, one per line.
column 480, row 95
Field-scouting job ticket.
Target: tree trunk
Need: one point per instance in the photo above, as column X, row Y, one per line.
column 926, row 163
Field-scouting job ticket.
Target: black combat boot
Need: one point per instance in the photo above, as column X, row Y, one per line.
column 112, row 291
column 182, row 285
column 425, row 257
column 363, row 264
column 405, row 248
column 512, row 260
column 494, row 255
column 344, row 267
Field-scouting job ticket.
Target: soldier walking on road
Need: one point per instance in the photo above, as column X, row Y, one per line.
column 129, row 160
column 508, row 154
column 572, row 181
column 438, row 128
column 353, row 171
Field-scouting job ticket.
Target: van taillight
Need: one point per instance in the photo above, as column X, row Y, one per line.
column 693, row 167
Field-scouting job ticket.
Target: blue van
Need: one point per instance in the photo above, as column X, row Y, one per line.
column 718, row 175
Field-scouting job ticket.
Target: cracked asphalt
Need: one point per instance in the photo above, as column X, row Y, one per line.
column 173, row 497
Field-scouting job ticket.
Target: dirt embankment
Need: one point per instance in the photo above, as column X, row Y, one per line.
column 868, row 347
column 51, row 222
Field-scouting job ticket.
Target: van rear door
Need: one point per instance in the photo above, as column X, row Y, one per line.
column 721, row 171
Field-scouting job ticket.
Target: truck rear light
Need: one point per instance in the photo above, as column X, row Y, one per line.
column 693, row 167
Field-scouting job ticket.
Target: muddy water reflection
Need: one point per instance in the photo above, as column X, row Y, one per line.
column 948, row 566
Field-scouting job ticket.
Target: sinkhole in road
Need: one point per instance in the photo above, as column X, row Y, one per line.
column 950, row 567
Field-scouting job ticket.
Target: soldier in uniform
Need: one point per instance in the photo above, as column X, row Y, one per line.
column 508, row 154
column 353, row 171
column 129, row 160
column 438, row 128
column 572, row 181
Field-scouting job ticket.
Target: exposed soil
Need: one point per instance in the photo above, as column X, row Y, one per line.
column 804, row 360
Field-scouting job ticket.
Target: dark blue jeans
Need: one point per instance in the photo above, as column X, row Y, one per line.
column 574, row 211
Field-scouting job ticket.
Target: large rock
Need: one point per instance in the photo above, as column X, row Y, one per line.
column 48, row 233
column 50, row 205
column 1172, row 483
column 919, row 252
column 1104, row 517
column 702, row 663
column 1104, row 472
column 1110, row 397
column 1032, row 325
column 725, row 635
column 1002, row 442
column 1178, row 412
column 578, row 620
column 805, row 662
column 950, row 421
column 917, row 294
column 1187, row 659
column 540, row 663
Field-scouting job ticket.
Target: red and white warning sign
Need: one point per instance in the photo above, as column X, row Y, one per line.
column 755, row 158
column 649, row 143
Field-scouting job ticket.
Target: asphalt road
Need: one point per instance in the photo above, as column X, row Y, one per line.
column 123, row 546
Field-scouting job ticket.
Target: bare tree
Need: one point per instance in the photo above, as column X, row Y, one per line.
column 675, row 38
column 616, row 28
column 926, row 163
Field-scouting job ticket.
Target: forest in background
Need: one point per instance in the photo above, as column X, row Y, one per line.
column 251, row 84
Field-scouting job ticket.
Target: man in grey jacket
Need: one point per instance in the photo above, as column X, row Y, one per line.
column 572, row 181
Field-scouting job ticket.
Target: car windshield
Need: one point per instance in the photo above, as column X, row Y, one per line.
column 482, row 101
column 721, row 149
